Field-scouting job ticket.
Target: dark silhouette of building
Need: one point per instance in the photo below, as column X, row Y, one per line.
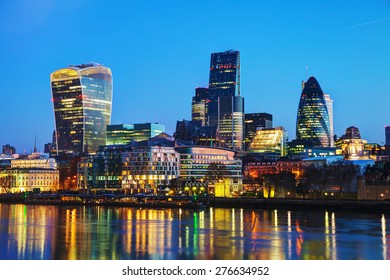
column 387, row 135
column 194, row 132
column 200, row 105
column 9, row 150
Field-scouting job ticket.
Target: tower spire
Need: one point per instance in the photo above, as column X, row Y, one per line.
column 35, row 145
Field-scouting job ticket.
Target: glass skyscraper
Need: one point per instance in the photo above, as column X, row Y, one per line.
column 82, row 98
column 199, row 105
column 313, row 119
column 226, row 106
column 329, row 105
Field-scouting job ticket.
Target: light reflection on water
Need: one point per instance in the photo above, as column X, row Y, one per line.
column 52, row 232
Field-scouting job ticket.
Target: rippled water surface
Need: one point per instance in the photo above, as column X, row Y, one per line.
column 83, row 233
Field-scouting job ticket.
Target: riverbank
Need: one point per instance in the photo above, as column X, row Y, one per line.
column 202, row 203
column 303, row 204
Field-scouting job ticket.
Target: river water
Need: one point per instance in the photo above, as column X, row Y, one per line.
column 114, row 233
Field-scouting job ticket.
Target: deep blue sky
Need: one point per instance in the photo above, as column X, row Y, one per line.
column 159, row 51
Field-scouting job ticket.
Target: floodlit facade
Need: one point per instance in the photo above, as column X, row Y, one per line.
column 195, row 162
column 32, row 173
column 254, row 121
column 82, row 99
column 269, row 141
column 313, row 118
column 352, row 145
column 146, row 168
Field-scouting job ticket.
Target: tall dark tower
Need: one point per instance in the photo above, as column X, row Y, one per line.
column 82, row 97
column 200, row 105
column 312, row 119
column 387, row 135
column 226, row 106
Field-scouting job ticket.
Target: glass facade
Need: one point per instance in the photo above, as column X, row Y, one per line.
column 271, row 140
column 144, row 131
column 119, row 134
column 223, row 110
column 313, row 118
column 329, row 105
column 254, row 121
column 231, row 122
column 147, row 168
column 195, row 162
column 199, row 105
column 82, row 98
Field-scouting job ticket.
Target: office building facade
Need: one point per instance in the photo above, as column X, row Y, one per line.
column 200, row 105
column 269, row 141
column 82, row 99
column 225, row 108
column 313, row 118
column 253, row 122
column 329, row 106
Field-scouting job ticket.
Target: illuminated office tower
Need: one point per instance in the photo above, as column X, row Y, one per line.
column 313, row 119
column 82, row 97
column 329, row 105
column 199, row 105
column 254, row 121
column 120, row 134
column 226, row 106
column 269, row 141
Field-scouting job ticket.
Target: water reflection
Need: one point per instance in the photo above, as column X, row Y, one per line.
column 51, row 232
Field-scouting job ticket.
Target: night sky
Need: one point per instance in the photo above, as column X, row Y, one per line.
column 159, row 52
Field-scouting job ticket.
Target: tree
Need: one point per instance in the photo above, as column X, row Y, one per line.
column 215, row 172
column 8, row 183
column 315, row 178
column 343, row 173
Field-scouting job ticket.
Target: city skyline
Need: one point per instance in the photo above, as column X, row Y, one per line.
column 159, row 56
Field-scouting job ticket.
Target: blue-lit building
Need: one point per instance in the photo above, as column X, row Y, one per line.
column 82, row 98
column 121, row 134
column 313, row 123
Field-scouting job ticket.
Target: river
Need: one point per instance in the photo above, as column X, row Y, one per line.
column 37, row 232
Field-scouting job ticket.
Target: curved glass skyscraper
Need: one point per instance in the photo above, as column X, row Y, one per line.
column 313, row 119
column 82, row 98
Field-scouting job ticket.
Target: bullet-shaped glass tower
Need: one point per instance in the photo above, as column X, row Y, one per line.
column 313, row 119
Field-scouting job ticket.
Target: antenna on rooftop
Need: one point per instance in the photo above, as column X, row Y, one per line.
column 35, row 144
column 307, row 67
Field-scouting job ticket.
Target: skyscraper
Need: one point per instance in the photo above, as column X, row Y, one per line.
column 82, row 97
column 312, row 118
column 226, row 106
column 387, row 135
column 329, row 105
column 199, row 105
